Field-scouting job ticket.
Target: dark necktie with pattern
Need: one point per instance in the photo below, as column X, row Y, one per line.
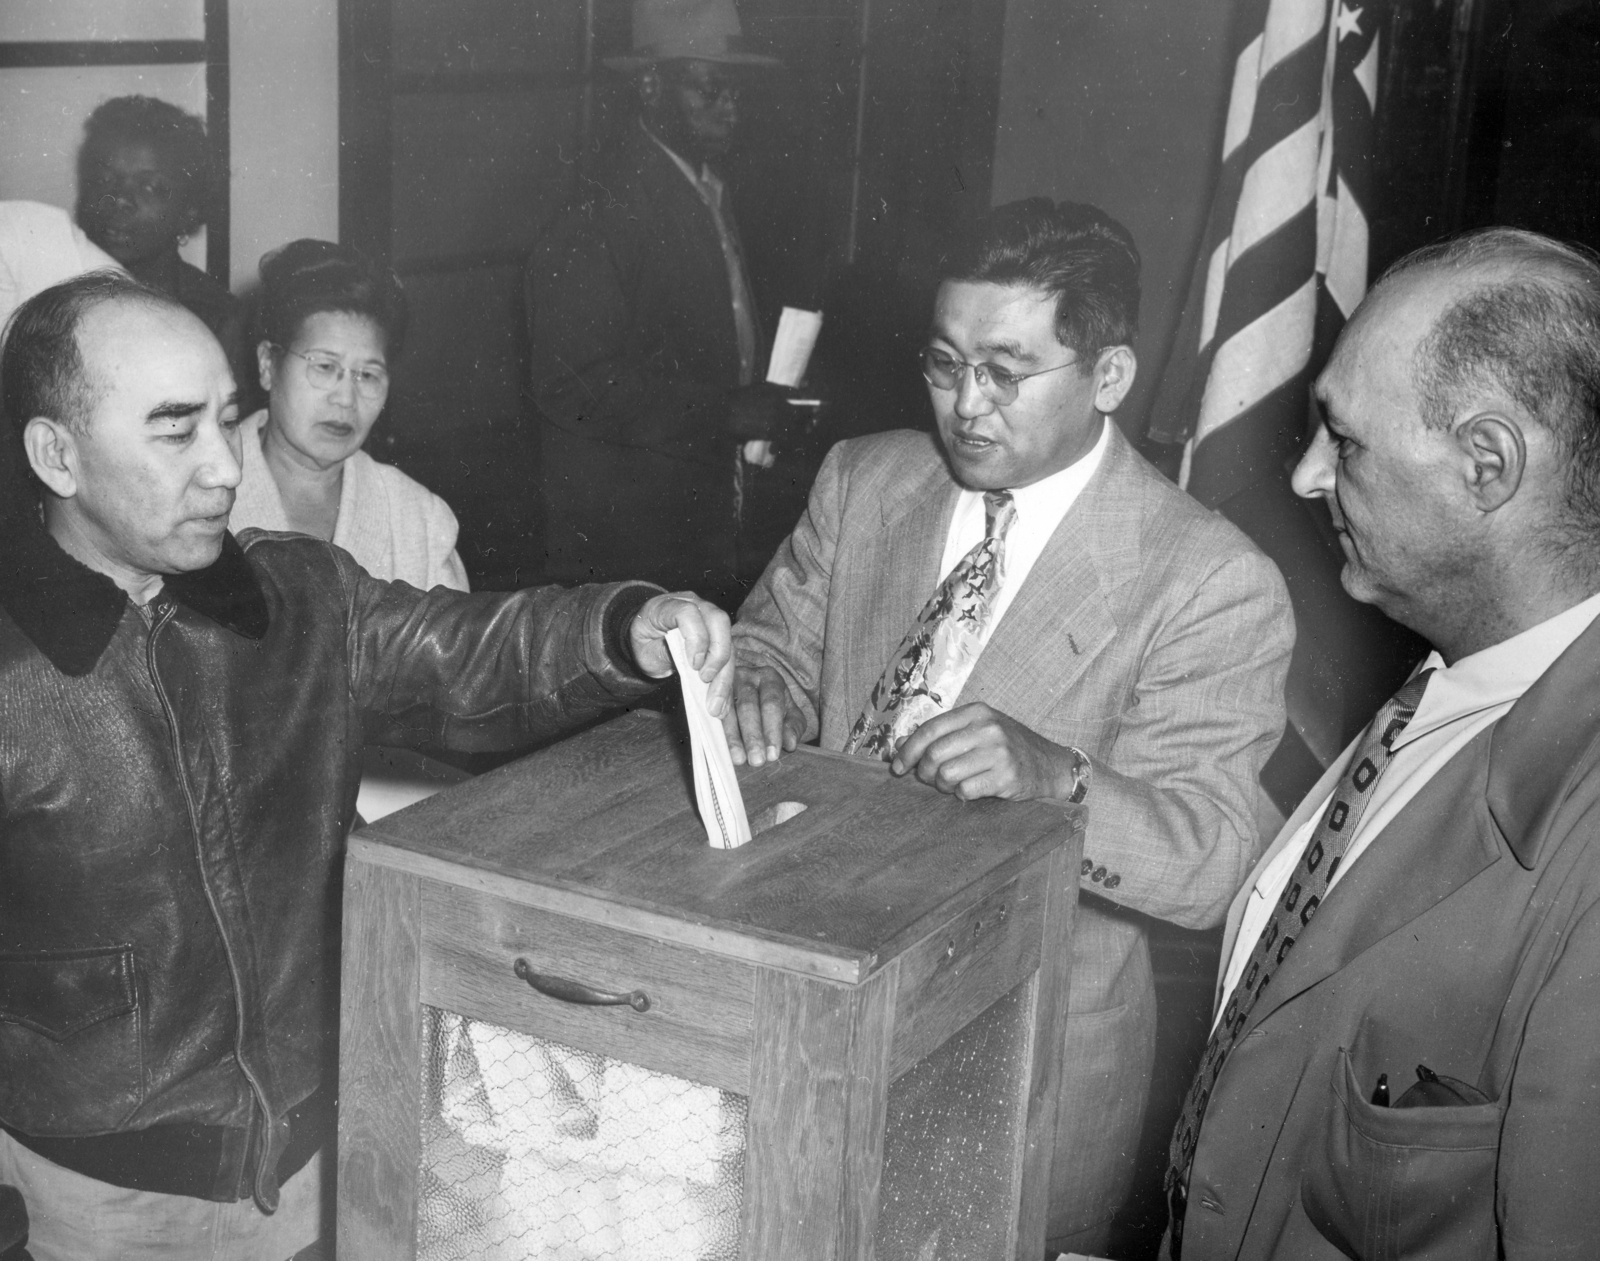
column 930, row 667
column 1302, row 895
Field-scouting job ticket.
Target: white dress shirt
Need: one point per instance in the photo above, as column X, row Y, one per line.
column 1459, row 703
column 1040, row 508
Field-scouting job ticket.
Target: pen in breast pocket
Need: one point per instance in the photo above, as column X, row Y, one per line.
column 1380, row 1092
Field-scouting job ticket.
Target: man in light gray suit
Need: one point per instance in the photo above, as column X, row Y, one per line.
column 1026, row 609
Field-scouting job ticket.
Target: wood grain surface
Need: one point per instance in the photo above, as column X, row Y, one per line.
column 380, row 1071
column 606, row 821
column 699, row 1022
column 1051, row 987
column 953, row 975
column 819, row 1087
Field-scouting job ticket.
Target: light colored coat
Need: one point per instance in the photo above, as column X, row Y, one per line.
column 394, row 526
column 1151, row 634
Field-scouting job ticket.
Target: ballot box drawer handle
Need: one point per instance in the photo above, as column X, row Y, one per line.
column 577, row 992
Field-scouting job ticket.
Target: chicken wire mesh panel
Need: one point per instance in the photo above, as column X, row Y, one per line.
column 949, row 1149
column 531, row 1149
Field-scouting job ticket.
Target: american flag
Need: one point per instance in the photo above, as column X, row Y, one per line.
column 1283, row 263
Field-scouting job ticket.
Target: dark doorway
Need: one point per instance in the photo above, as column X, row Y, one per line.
column 463, row 127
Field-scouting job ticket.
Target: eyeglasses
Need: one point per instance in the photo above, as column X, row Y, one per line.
column 716, row 94
column 324, row 372
column 712, row 90
column 943, row 372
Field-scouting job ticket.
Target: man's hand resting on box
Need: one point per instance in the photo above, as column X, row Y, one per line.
column 976, row 751
column 762, row 723
column 707, row 634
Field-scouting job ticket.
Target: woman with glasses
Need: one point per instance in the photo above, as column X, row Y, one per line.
column 328, row 321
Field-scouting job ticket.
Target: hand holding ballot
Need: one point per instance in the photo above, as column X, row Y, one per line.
column 770, row 410
column 707, row 638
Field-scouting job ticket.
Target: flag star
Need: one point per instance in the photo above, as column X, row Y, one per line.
column 1349, row 22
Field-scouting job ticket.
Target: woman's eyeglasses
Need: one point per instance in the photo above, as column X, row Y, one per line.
column 324, row 372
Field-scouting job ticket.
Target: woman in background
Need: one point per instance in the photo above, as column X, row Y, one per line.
column 143, row 172
column 328, row 322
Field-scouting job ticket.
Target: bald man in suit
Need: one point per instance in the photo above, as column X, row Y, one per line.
column 1024, row 608
column 1406, row 1057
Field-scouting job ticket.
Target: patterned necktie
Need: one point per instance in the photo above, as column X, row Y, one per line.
column 931, row 665
column 1304, row 893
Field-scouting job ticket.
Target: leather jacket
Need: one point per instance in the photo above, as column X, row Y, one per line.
column 176, row 783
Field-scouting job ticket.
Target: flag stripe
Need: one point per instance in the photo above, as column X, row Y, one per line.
column 1347, row 259
column 1268, row 274
column 1256, row 447
column 1216, row 275
column 1242, row 102
column 1287, row 97
column 1277, row 187
column 1291, row 25
column 1258, row 359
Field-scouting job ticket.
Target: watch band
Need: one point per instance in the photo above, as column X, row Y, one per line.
column 1080, row 775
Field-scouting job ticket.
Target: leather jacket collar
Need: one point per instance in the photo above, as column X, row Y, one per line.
column 70, row 611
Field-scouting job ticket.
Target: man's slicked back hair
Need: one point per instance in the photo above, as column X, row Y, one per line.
column 1530, row 328
column 42, row 371
column 1072, row 251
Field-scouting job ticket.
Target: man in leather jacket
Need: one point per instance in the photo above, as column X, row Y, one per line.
column 184, row 714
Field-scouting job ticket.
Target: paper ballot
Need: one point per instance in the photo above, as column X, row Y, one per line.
column 791, row 355
column 716, row 789
column 792, row 346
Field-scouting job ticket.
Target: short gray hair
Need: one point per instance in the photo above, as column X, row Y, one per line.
column 1533, row 332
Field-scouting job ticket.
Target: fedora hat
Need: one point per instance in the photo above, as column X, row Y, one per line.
column 702, row 30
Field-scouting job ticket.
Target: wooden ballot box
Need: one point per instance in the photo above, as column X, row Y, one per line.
column 570, row 1028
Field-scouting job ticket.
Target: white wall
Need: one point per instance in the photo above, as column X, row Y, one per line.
column 1120, row 103
column 285, row 134
column 42, row 109
column 284, row 109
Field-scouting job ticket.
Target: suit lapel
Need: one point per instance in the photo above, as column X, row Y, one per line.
column 1061, row 617
column 1439, row 841
column 669, row 188
column 1499, row 792
column 901, row 573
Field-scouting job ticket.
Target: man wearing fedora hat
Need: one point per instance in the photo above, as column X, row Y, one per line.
column 647, row 352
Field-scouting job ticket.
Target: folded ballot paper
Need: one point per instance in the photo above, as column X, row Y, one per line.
column 716, row 789
column 792, row 345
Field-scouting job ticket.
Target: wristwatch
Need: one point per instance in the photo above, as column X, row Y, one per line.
column 1080, row 775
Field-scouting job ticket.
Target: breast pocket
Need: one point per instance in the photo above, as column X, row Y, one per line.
column 71, row 1059
column 1404, row 1182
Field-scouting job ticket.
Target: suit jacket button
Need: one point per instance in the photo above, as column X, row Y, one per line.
column 1112, row 881
column 1099, row 875
column 1088, row 866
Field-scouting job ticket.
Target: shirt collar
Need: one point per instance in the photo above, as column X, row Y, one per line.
column 1497, row 675
column 70, row 612
column 1046, row 501
column 703, row 181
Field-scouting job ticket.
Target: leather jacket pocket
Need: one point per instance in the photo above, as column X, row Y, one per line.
column 1414, row 1182
column 71, row 1060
